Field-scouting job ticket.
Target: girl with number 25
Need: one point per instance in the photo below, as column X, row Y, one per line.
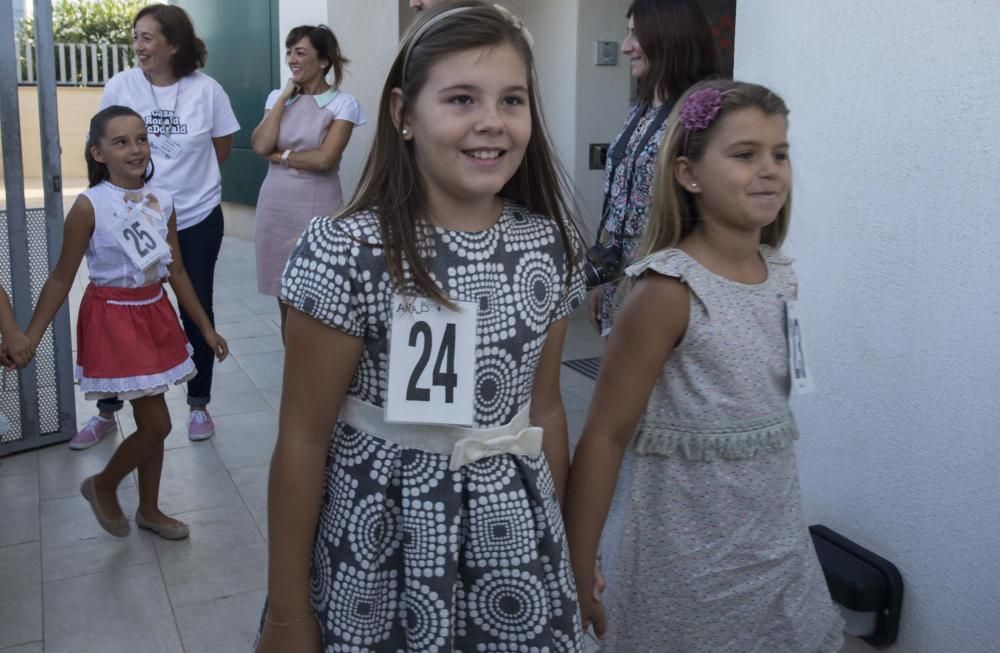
column 129, row 341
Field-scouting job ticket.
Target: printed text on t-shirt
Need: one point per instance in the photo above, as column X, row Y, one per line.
column 164, row 121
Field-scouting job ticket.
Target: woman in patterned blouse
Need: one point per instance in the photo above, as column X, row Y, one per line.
column 670, row 46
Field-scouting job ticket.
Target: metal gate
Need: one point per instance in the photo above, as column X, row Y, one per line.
column 37, row 401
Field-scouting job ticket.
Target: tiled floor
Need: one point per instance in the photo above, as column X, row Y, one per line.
column 66, row 585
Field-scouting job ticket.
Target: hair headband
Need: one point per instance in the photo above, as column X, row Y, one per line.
column 420, row 33
column 503, row 11
column 699, row 111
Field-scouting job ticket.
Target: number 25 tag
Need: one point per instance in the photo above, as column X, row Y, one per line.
column 139, row 239
column 432, row 362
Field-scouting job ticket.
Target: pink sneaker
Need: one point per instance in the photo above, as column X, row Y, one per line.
column 92, row 432
column 200, row 425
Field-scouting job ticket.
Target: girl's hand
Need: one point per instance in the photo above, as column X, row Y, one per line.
column 19, row 350
column 301, row 637
column 591, row 614
column 599, row 583
column 594, row 308
column 218, row 345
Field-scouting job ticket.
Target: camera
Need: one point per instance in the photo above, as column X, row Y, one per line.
column 604, row 263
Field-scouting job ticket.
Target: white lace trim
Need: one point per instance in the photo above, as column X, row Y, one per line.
column 138, row 302
column 130, row 384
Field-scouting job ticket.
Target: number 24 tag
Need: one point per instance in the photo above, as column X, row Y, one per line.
column 432, row 362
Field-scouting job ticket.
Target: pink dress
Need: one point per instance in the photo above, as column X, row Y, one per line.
column 290, row 198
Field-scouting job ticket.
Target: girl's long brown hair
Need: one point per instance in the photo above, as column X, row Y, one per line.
column 391, row 185
column 673, row 214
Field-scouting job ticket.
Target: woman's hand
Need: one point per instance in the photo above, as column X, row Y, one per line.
column 301, row 637
column 594, row 307
column 290, row 89
column 218, row 344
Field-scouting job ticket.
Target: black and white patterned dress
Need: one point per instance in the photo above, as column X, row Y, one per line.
column 410, row 556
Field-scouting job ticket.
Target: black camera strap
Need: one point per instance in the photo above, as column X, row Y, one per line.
column 617, row 154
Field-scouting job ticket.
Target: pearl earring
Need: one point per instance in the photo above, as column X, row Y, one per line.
column 694, row 185
column 405, row 132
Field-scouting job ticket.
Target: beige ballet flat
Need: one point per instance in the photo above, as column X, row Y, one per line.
column 117, row 527
column 177, row 530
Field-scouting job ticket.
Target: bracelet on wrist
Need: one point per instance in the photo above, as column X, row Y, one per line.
column 284, row 624
column 284, row 158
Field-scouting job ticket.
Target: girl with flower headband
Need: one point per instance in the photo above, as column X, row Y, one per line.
column 714, row 556
column 413, row 502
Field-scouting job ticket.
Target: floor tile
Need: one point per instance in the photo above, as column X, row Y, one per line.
column 273, row 397
column 225, row 555
column 22, row 463
column 250, row 327
column 62, row 469
column 221, row 626
column 20, row 610
column 247, row 439
column 228, row 366
column 19, row 509
column 265, row 369
column 574, row 380
column 572, row 401
column 574, row 426
column 251, row 483
column 194, row 478
column 231, row 308
column 74, row 544
column 33, row 647
column 234, row 395
column 255, row 345
column 115, row 610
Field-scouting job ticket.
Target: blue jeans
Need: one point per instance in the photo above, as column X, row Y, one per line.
column 200, row 247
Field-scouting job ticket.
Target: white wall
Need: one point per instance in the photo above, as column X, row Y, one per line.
column 602, row 97
column 552, row 25
column 292, row 13
column 368, row 34
column 896, row 146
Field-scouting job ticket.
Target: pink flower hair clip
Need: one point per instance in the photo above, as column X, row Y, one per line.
column 700, row 110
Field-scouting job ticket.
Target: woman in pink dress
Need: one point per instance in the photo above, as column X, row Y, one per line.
column 305, row 128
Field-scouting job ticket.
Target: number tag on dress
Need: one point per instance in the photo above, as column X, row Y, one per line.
column 139, row 238
column 168, row 147
column 432, row 362
column 798, row 369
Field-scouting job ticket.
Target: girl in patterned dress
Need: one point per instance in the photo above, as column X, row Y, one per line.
column 129, row 341
column 714, row 555
column 413, row 502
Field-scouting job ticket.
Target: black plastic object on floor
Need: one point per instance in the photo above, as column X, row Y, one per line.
column 862, row 582
column 585, row 366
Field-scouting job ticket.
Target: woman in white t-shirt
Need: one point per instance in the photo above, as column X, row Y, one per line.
column 305, row 128
column 191, row 124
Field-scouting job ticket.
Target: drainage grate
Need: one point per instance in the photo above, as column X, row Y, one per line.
column 585, row 366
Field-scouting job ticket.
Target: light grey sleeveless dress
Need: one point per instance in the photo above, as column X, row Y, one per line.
column 712, row 554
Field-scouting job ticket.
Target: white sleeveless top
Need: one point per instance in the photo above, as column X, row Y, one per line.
column 109, row 265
